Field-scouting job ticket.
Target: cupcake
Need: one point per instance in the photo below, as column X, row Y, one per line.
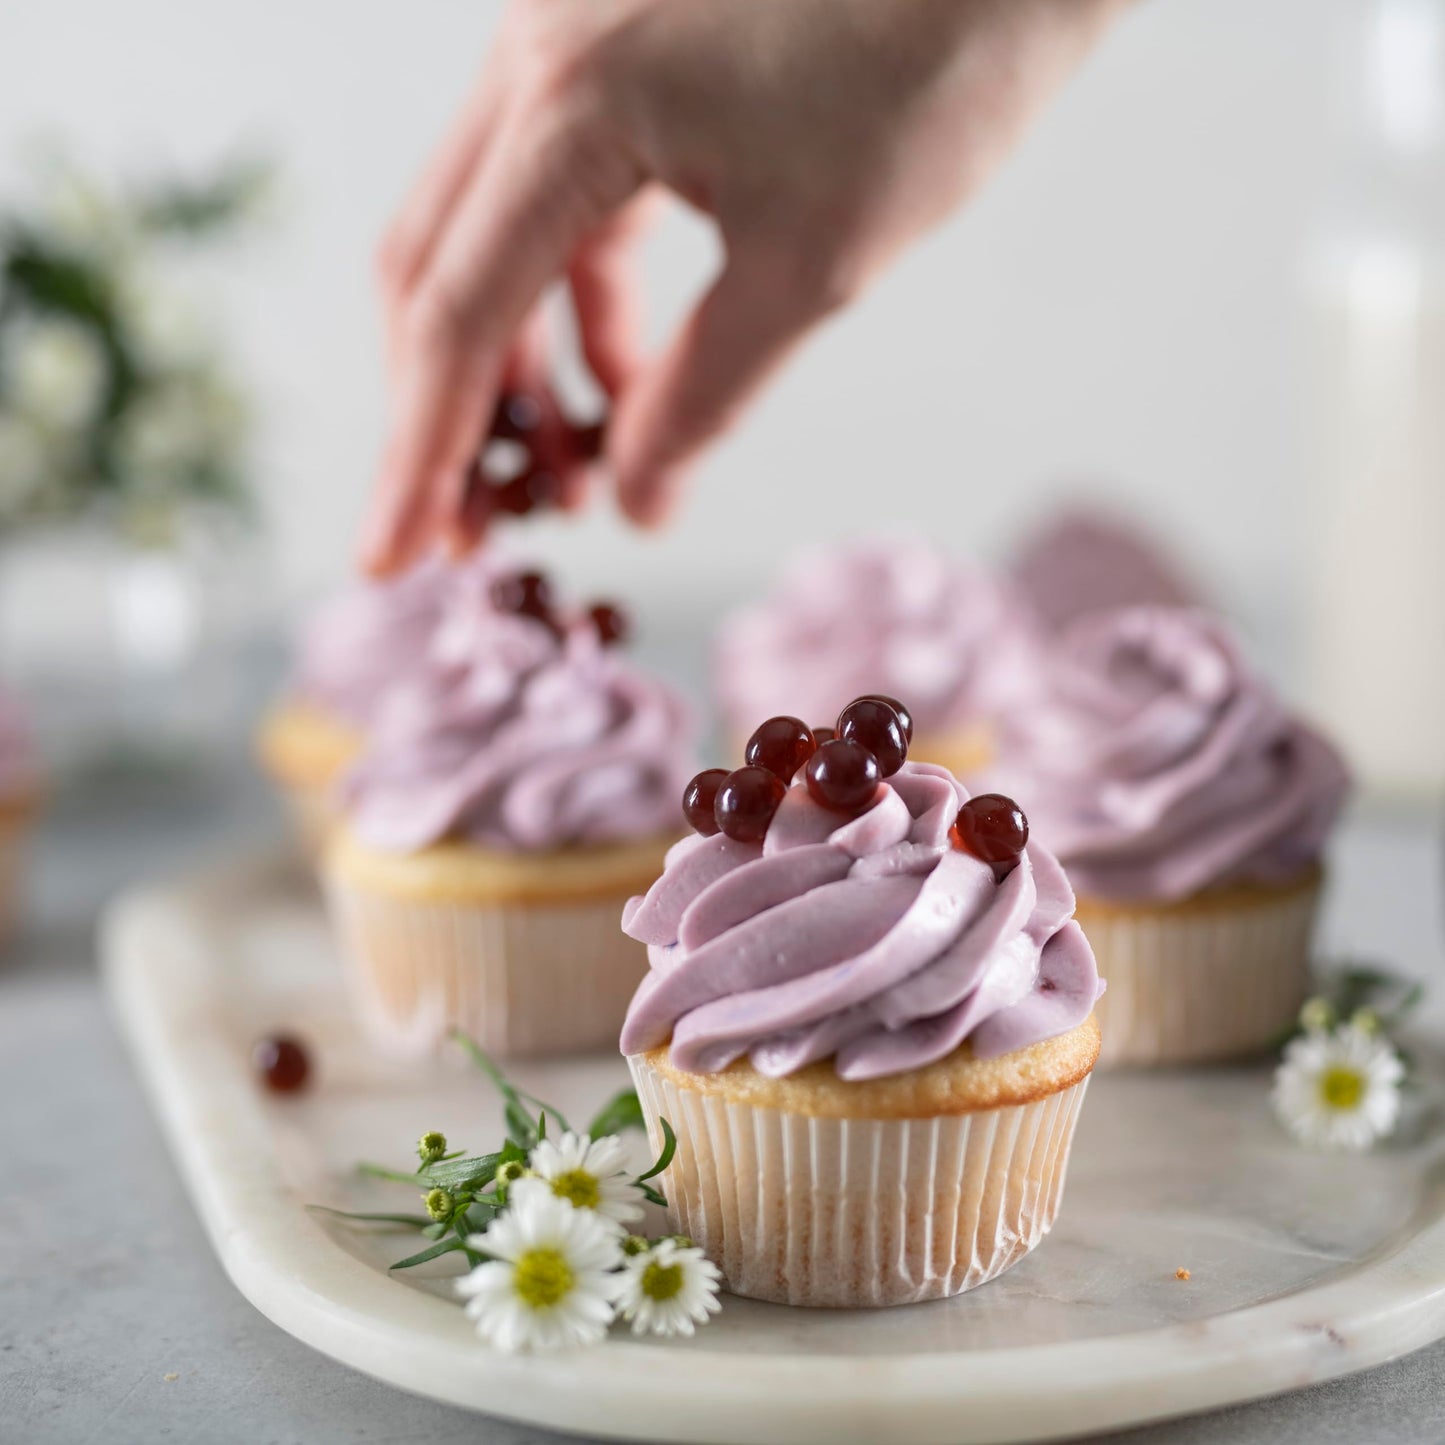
column 1086, row 560
column 350, row 656
column 19, row 800
column 896, row 617
column 516, row 789
column 1190, row 810
column 869, row 1019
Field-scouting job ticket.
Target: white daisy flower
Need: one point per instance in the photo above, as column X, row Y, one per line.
column 669, row 1290
column 1339, row 1089
column 550, row 1283
column 589, row 1174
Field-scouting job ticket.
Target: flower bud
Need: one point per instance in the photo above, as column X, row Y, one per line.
column 1366, row 1020
column 431, row 1146
column 439, row 1204
column 1317, row 1015
column 633, row 1244
column 510, row 1172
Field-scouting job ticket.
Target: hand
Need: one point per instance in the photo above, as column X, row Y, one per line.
column 821, row 135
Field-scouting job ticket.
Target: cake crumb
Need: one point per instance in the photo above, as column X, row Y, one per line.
column 1181, row 1273
column 171, row 1378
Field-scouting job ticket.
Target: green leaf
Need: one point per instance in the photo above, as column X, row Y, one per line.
column 652, row 1195
column 522, row 1126
column 620, row 1113
column 669, row 1148
column 412, row 1221
column 380, row 1171
column 446, row 1246
column 458, row 1174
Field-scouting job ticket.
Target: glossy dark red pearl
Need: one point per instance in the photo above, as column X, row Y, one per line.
column 843, row 776
column 699, row 800
column 875, row 725
column 904, row 716
column 590, row 439
column 823, row 735
column 611, row 623
column 992, row 828
column 516, row 417
column 534, row 490
column 746, row 802
column 781, row 745
column 281, row 1062
column 526, row 593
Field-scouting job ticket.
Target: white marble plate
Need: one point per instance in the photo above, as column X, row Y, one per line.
column 1302, row 1267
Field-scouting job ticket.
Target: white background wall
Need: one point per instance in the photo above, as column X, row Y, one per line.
column 1119, row 309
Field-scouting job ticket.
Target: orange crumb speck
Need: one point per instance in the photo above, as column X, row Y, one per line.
column 1181, row 1273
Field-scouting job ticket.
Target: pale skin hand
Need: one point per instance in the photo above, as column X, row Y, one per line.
column 821, row 135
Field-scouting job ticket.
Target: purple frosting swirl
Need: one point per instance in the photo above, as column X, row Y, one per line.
column 1158, row 765
column 357, row 644
column 512, row 736
column 895, row 617
column 871, row 941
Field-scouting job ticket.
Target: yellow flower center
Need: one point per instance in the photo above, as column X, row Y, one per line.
column 578, row 1188
column 1342, row 1088
column 662, row 1281
column 543, row 1278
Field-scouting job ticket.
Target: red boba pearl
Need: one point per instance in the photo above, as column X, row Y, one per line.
column 612, row 623
column 281, row 1062
column 746, row 802
column 699, row 800
column 843, row 775
column 875, row 725
column 992, row 828
column 781, row 745
column 904, row 716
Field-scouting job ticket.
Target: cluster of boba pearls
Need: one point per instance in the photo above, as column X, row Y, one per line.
column 536, row 487
column 529, row 594
column 842, row 767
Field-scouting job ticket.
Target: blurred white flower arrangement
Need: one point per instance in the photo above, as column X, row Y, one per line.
column 117, row 405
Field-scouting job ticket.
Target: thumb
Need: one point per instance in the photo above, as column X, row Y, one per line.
column 759, row 308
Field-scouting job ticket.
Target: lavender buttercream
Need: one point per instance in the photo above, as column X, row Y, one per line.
column 897, row 617
column 1158, row 765
column 357, row 644
column 870, row 940
column 514, row 735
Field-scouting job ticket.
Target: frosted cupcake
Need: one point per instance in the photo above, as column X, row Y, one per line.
column 1085, row 559
column 516, row 790
column 869, row 1019
column 894, row 617
column 19, row 801
column 1190, row 810
column 351, row 654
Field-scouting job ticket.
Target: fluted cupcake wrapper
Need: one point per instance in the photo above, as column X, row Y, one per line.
column 859, row 1213
column 521, row 979
column 1204, row 983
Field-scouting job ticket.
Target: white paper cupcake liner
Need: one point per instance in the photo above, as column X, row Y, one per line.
column 1199, row 985
column 859, row 1213
column 519, row 978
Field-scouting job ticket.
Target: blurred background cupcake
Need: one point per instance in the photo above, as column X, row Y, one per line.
column 1191, row 811
column 353, row 652
column 901, row 618
column 514, row 792
column 873, row 1042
